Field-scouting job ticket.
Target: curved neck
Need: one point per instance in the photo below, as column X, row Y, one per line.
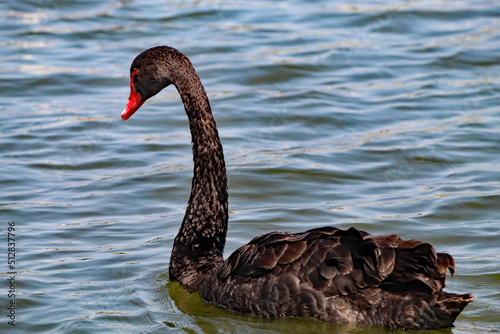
column 199, row 245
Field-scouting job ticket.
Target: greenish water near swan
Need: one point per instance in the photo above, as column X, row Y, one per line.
column 379, row 115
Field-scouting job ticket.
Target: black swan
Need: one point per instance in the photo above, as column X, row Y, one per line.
column 341, row 276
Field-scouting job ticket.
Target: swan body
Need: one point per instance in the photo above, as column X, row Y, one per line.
column 341, row 276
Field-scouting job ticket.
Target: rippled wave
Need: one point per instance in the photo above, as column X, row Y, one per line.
column 374, row 114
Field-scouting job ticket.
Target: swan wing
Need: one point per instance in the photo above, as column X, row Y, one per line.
column 338, row 262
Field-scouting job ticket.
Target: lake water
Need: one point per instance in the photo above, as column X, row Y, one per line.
column 375, row 114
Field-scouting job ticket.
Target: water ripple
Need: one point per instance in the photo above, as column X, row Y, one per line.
column 374, row 114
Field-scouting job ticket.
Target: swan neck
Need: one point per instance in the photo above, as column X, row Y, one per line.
column 199, row 245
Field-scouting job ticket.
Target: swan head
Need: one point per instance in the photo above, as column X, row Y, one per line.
column 150, row 72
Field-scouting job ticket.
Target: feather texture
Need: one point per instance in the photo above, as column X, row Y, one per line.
column 338, row 276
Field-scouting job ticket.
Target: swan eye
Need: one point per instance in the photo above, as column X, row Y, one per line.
column 134, row 71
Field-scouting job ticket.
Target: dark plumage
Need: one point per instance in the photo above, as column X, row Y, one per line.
column 328, row 273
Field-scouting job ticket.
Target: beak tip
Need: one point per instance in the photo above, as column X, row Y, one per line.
column 124, row 115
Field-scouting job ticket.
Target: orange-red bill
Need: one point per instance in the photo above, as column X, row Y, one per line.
column 134, row 101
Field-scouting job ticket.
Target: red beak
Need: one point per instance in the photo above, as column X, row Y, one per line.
column 134, row 101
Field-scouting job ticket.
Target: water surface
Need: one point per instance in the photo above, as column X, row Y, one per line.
column 374, row 114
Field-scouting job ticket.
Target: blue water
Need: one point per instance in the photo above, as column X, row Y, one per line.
column 375, row 114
